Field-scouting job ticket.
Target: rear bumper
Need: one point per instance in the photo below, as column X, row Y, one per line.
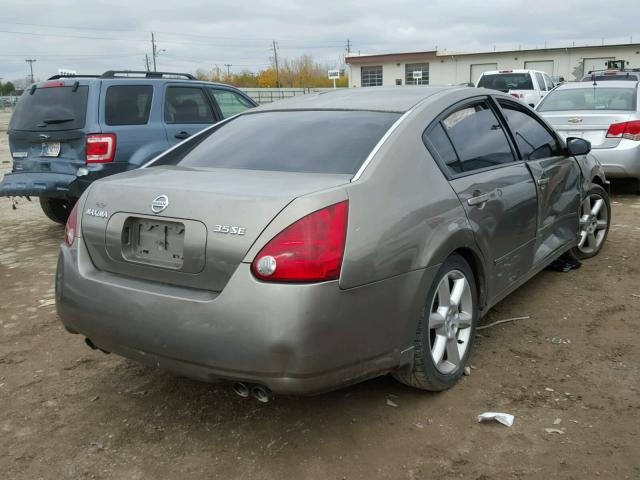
column 35, row 184
column 294, row 339
column 622, row 161
column 52, row 184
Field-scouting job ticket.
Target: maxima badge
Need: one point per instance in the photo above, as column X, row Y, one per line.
column 159, row 203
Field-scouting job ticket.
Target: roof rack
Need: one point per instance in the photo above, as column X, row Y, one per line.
column 145, row 74
column 71, row 75
column 615, row 70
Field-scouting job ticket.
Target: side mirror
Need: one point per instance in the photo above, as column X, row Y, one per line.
column 578, row 146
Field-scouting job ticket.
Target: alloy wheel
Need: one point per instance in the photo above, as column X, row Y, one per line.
column 450, row 320
column 594, row 223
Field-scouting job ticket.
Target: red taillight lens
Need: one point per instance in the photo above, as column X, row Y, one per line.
column 627, row 130
column 310, row 250
column 71, row 228
column 100, row 147
column 52, row 85
column 517, row 95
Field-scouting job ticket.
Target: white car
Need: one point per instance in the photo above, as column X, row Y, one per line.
column 529, row 86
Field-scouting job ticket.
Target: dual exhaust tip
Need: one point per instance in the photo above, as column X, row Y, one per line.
column 259, row 392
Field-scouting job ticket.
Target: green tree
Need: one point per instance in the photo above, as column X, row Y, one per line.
column 7, row 88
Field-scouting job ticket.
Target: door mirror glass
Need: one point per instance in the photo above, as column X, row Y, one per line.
column 578, row 146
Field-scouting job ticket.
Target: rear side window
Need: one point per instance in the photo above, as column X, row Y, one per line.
column 51, row 109
column 506, row 81
column 293, row 141
column 477, row 138
column 605, row 98
column 187, row 105
column 230, row 103
column 437, row 141
column 128, row 104
column 533, row 139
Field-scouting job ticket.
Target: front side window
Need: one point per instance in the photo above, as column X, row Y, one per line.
column 128, row 104
column 305, row 141
column 230, row 103
column 477, row 138
column 533, row 140
column 371, row 76
column 186, row 105
column 506, row 81
column 592, row 98
column 540, row 80
column 409, row 68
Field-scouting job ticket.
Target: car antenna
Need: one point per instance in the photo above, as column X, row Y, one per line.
column 593, row 77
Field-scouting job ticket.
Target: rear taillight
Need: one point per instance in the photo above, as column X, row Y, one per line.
column 310, row 250
column 517, row 95
column 627, row 130
column 100, row 147
column 52, row 85
column 71, row 228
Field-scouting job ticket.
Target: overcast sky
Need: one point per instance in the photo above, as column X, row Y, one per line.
column 93, row 36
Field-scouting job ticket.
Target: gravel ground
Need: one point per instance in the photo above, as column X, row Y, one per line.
column 574, row 366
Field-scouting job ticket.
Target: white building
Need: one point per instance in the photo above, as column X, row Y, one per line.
column 445, row 68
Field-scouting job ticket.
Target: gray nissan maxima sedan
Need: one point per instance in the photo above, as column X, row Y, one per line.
column 319, row 241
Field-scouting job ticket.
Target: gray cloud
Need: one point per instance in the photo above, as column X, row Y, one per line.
column 200, row 34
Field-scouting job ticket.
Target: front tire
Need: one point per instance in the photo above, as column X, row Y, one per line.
column 595, row 218
column 446, row 329
column 56, row 209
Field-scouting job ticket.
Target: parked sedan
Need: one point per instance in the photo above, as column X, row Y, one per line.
column 607, row 114
column 319, row 241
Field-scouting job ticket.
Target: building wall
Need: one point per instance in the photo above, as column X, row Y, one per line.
column 453, row 69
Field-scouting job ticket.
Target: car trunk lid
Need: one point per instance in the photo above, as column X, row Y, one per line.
column 590, row 125
column 187, row 226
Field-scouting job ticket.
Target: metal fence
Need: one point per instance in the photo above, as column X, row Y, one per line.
column 269, row 95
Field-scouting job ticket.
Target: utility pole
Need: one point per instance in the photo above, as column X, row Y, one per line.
column 275, row 58
column 31, row 61
column 348, row 46
column 146, row 58
column 228, row 65
column 153, row 51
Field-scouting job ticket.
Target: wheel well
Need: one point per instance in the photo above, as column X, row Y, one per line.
column 598, row 181
column 478, row 272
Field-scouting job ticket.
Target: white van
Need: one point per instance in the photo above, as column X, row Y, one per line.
column 529, row 86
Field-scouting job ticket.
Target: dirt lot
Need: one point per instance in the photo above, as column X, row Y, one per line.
column 69, row 412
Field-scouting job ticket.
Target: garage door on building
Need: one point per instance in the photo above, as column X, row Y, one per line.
column 545, row 66
column 595, row 64
column 479, row 68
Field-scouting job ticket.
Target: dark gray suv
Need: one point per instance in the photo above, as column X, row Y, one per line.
column 70, row 131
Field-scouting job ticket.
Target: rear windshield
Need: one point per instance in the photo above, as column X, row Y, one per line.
column 51, row 109
column 506, row 81
column 293, row 141
column 589, row 99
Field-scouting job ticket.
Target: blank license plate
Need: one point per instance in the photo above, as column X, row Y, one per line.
column 154, row 242
column 50, row 149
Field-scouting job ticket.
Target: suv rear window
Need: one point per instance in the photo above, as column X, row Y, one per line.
column 293, row 141
column 51, row 109
column 614, row 98
column 506, row 81
column 128, row 104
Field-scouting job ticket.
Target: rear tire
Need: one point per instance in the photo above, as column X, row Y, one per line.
column 446, row 329
column 595, row 218
column 57, row 209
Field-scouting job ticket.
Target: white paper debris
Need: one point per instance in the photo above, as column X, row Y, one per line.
column 503, row 418
column 554, row 430
column 391, row 403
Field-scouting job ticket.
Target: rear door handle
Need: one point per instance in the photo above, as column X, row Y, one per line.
column 543, row 181
column 182, row 135
column 478, row 200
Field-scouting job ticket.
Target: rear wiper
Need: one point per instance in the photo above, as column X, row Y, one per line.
column 51, row 121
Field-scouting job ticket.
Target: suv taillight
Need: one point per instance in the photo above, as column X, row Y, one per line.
column 627, row 130
column 71, row 228
column 309, row 250
column 100, row 147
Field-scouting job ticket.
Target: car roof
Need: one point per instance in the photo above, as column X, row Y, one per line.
column 602, row 84
column 513, row 70
column 386, row 99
